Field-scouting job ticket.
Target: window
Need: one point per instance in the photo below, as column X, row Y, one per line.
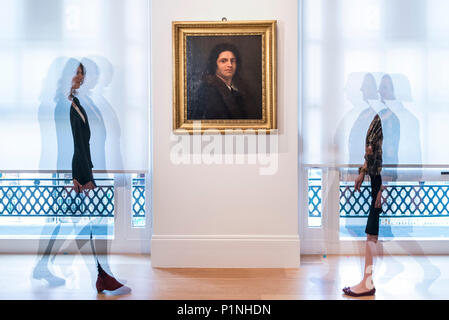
column 42, row 44
column 359, row 59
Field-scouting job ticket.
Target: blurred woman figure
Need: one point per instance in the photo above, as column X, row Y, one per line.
column 82, row 164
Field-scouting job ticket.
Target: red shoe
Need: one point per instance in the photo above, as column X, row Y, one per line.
column 347, row 291
column 106, row 282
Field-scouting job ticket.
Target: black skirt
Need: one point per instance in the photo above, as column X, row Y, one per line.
column 372, row 225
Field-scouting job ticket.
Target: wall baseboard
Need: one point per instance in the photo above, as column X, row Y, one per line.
column 225, row 251
column 391, row 247
column 394, row 247
column 313, row 247
column 69, row 246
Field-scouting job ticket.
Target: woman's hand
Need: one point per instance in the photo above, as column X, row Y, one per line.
column 378, row 203
column 89, row 186
column 77, row 186
column 359, row 181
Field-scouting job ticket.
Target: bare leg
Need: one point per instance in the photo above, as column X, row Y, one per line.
column 370, row 252
column 41, row 270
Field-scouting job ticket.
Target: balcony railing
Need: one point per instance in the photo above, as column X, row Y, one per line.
column 315, row 198
column 399, row 200
column 138, row 197
column 29, row 198
column 55, row 197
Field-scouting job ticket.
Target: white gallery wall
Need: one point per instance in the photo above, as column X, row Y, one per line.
column 225, row 215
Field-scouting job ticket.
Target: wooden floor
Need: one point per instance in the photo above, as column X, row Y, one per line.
column 397, row 277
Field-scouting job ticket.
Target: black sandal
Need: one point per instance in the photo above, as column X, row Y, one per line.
column 347, row 291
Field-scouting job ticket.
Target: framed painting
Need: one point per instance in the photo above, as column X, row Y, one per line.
column 224, row 76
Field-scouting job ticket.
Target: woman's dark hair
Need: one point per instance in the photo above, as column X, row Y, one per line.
column 83, row 71
column 211, row 67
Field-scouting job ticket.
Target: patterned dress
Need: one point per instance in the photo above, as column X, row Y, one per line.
column 373, row 157
column 373, row 147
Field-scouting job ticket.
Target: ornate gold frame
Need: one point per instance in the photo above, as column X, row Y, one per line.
column 267, row 29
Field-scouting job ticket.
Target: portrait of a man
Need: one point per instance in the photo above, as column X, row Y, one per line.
column 223, row 93
column 224, row 75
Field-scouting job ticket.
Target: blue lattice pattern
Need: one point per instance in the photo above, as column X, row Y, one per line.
column 397, row 201
column 314, row 201
column 54, row 200
column 138, row 197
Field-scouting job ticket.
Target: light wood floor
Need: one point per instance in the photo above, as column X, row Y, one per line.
column 397, row 277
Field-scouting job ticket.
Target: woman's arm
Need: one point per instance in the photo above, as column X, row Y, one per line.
column 359, row 180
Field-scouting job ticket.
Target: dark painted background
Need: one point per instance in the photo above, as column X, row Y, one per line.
column 198, row 49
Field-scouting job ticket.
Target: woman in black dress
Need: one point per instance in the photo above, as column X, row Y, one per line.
column 82, row 176
column 81, row 162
